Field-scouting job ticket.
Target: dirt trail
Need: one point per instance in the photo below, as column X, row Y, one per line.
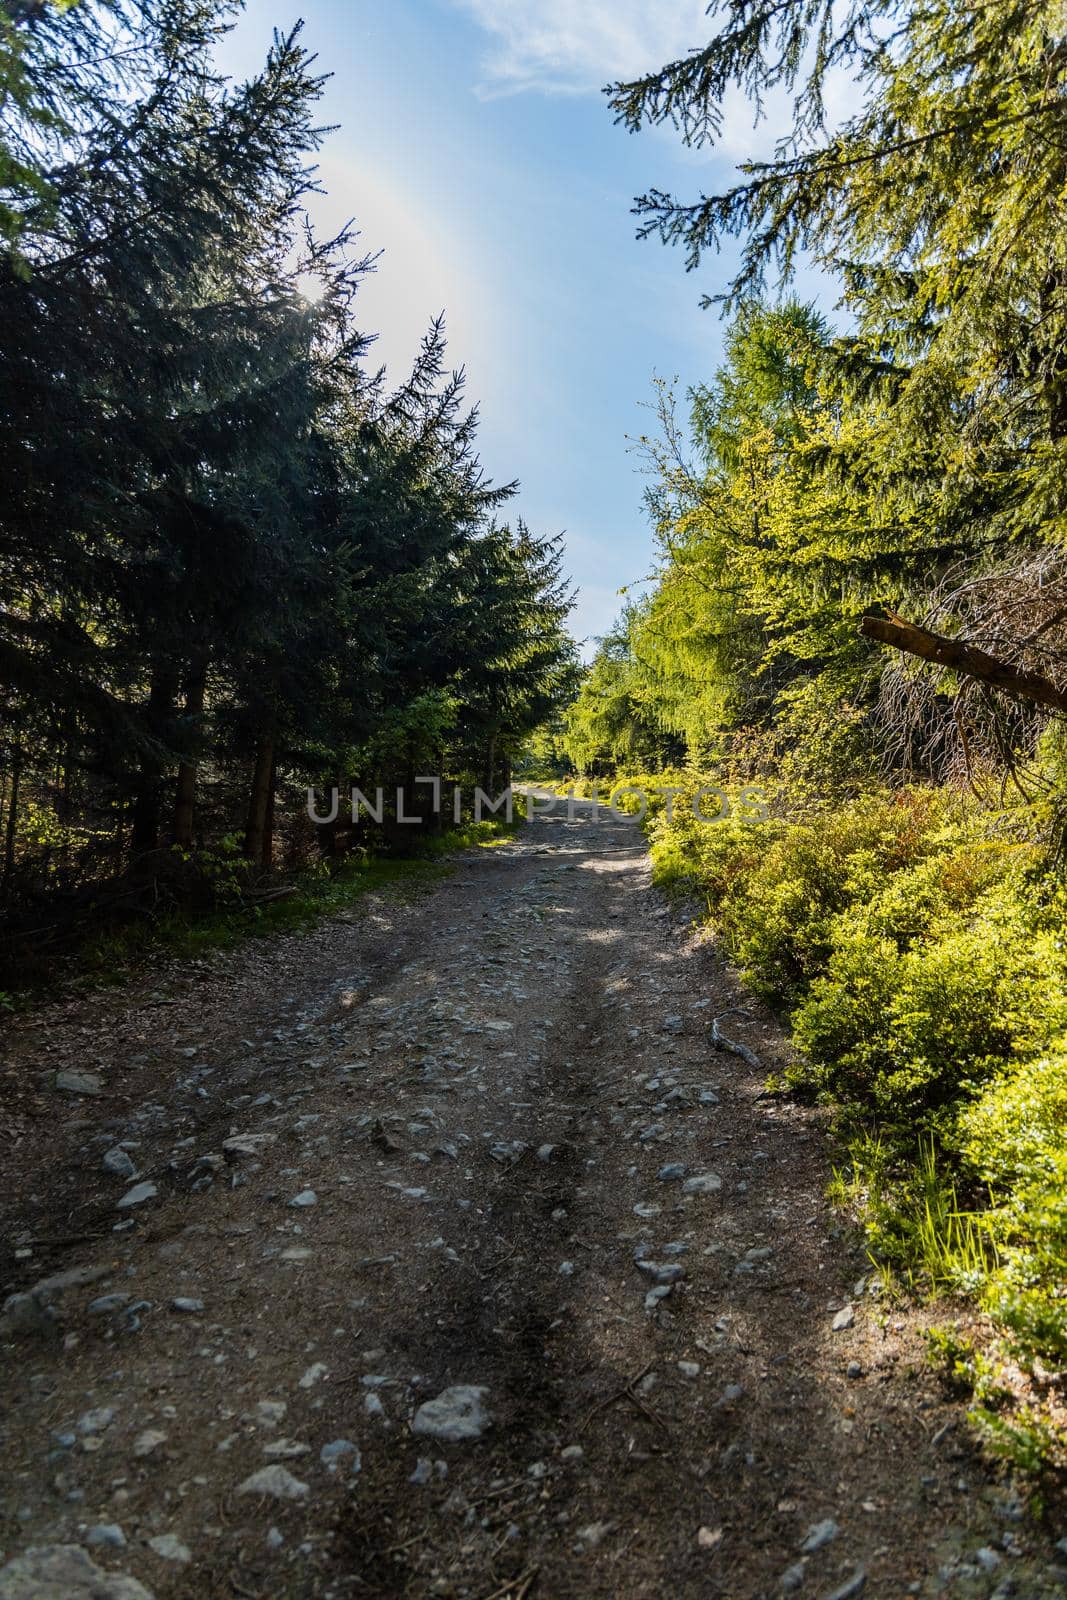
column 489, row 1144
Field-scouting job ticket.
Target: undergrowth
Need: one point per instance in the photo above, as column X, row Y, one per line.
column 918, row 945
column 319, row 891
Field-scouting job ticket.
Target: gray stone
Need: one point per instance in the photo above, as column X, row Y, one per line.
column 844, row 1319
column 97, row 1420
column 193, row 1308
column 689, row 1369
column 35, row 1310
column 338, row 1451
column 276, row 1481
column 672, row 1172
column 108, row 1304
column 792, row 1578
column 662, row 1271
column 306, row 1197
column 138, row 1195
column 456, row 1414
column 819, row 1534
column 702, row 1183
column 854, row 1370
column 84, row 1083
column 65, row 1572
column 247, row 1146
column 170, row 1548
column 118, row 1163
column 851, row 1586
column 148, row 1442
column 107, row 1535
column 423, row 1473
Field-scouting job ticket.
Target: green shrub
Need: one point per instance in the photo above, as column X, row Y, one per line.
column 1028, row 1293
column 921, row 1030
column 1016, row 1128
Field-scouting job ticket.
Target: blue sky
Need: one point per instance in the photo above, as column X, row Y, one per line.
column 476, row 151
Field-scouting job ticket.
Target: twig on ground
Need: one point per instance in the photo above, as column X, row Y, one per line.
column 518, row 1587
column 721, row 1041
column 627, row 1393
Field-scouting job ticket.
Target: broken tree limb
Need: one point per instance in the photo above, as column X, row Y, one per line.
column 722, row 1042
column 965, row 658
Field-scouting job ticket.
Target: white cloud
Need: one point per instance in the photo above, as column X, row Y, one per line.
column 577, row 46
column 572, row 46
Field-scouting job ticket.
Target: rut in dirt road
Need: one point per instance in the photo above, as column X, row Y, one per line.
column 465, row 1266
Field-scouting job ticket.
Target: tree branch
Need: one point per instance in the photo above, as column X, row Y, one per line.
column 966, row 658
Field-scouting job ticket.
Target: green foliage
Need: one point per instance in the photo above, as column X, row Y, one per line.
column 918, row 943
column 915, row 464
column 965, row 1368
column 235, row 563
column 1015, row 1130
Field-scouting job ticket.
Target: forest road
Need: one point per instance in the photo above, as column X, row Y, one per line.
column 471, row 1145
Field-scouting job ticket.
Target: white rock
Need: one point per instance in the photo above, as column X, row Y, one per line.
column 456, row 1414
column 844, row 1319
column 317, row 1370
column 306, row 1197
column 702, row 1183
column 819, row 1534
column 85, row 1083
column 106, row 1535
column 246, row 1146
column 119, row 1163
column 170, row 1548
column 276, row 1481
column 64, row 1572
column 97, row 1420
column 137, row 1195
column 148, row 1441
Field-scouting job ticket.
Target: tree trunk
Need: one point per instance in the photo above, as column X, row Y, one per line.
column 259, row 799
column 148, row 798
column 12, row 815
column 326, row 832
column 267, row 858
column 185, row 798
column 490, row 764
column 966, row 658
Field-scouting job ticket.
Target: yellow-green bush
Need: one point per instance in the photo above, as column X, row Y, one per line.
column 1017, row 1129
column 920, row 947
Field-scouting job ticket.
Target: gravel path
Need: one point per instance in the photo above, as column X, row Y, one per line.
column 458, row 1262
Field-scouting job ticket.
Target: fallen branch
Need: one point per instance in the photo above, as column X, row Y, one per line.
column 518, row 1587
column 627, row 1393
column 965, row 658
column 722, row 1042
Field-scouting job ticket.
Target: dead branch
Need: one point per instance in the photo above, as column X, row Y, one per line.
column 965, row 658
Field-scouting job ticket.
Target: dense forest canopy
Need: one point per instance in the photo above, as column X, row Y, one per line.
column 234, row 559
column 910, row 462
